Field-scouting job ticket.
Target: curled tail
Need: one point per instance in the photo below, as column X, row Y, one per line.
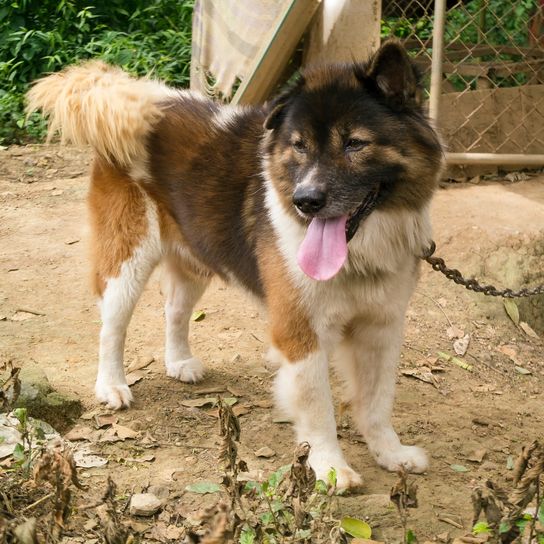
column 98, row 104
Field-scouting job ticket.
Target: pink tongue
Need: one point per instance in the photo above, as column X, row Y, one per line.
column 324, row 248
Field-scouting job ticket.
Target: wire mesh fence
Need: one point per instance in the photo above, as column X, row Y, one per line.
column 492, row 97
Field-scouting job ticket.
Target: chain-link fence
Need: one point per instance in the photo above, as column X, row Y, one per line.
column 492, row 74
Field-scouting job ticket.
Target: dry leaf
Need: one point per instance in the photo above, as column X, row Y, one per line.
column 454, row 332
column 459, row 468
column 210, row 390
column 509, row 351
column 134, row 377
column 235, row 391
column 79, row 432
column 265, row 452
column 21, row 315
column 460, row 345
column 139, row 363
column 207, row 402
column 240, row 410
column 525, row 327
column 424, row 374
column 85, row 459
column 124, row 432
column 263, row 404
column 110, row 436
column 521, row 370
column 142, row 459
column 512, row 310
column 105, row 420
column 455, row 360
column 477, row 456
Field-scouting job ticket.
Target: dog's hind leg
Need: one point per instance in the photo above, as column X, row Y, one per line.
column 367, row 360
column 183, row 290
column 126, row 247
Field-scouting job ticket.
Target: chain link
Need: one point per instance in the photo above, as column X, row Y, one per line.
column 471, row 284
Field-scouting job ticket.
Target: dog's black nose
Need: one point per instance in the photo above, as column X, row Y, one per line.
column 309, row 199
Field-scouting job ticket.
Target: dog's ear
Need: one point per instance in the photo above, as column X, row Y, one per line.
column 278, row 105
column 392, row 74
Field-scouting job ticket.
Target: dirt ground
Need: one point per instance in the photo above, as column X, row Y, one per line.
column 477, row 419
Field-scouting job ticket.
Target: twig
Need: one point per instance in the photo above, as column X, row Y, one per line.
column 27, row 311
column 534, row 518
column 449, row 521
column 39, row 501
column 491, row 367
column 439, row 307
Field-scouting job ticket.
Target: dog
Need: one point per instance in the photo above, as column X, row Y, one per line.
column 316, row 203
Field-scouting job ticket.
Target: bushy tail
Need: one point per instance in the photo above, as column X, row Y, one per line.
column 98, row 104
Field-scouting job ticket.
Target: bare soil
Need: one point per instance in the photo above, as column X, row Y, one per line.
column 492, row 230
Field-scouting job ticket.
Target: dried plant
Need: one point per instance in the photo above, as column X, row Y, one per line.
column 10, row 388
column 503, row 511
column 404, row 496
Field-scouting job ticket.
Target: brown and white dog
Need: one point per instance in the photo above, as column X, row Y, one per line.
column 317, row 203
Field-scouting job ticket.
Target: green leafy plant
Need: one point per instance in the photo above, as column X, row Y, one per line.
column 290, row 506
column 41, row 36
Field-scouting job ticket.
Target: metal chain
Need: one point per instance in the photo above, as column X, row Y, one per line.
column 454, row 275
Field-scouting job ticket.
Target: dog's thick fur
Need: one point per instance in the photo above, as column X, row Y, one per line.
column 208, row 189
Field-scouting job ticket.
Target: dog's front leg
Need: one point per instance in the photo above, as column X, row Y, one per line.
column 367, row 360
column 303, row 393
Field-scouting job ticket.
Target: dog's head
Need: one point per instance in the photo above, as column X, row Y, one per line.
column 349, row 138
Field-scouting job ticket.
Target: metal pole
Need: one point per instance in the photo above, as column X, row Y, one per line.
column 438, row 53
column 495, row 159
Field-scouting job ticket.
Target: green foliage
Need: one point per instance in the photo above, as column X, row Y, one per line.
column 481, row 528
column 356, row 528
column 274, row 514
column 40, row 36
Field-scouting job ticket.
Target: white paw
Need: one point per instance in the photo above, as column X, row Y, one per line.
column 115, row 396
column 188, row 370
column 346, row 477
column 411, row 458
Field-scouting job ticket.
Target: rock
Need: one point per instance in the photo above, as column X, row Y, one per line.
column 40, row 399
column 160, row 491
column 144, row 504
column 10, row 435
column 265, row 452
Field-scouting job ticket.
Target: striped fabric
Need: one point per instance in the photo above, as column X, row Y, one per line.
column 227, row 34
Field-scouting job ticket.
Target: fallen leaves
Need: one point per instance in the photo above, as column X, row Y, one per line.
column 85, row 458
column 424, row 374
column 477, row 456
column 207, row 402
column 446, row 357
column 23, row 315
column 203, row 488
column 199, row 315
column 459, row 468
column 140, row 363
column 525, row 327
column 356, row 527
column 265, row 452
column 118, row 433
column 512, row 310
column 460, row 345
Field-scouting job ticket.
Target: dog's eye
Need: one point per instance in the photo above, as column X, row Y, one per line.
column 299, row 146
column 354, row 144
